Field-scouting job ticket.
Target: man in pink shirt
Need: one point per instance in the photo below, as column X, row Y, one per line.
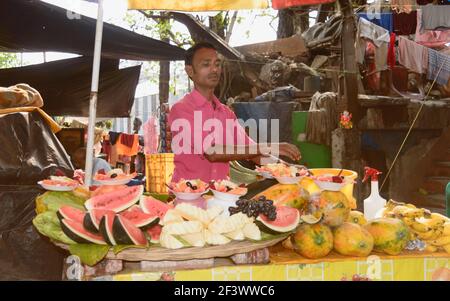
column 205, row 132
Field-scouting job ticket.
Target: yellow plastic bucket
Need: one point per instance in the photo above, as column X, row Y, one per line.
column 309, row 184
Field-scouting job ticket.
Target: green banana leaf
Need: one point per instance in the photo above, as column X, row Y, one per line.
column 119, row 248
column 53, row 200
column 89, row 254
column 47, row 224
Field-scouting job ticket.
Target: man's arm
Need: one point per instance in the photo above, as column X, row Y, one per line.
column 226, row 153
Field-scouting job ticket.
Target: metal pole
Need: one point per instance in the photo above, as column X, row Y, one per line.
column 94, row 95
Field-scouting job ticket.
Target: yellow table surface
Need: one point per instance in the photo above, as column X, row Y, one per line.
column 287, row 265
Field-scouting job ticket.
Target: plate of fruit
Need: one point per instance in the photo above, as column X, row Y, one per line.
column 227, row 190
column 331, row 182
column 188, row 189
column 114, row 177
column 289, row 174
column 59, row 183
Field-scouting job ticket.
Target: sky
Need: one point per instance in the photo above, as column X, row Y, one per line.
column 253, row 28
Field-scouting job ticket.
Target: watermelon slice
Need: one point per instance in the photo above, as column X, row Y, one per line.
column 125, row 233
column 106, row 227
column 107, row 189
column 69, row 212
column 287, row 220
column 139, row 218
column 92, row 219
column 154, row 233
column 75, row 231
column 116, row 201
column 153, row 206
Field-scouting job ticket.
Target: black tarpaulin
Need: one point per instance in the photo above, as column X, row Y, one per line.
column 35, row 26
column 65, row 86
column 266, row 111
column 30, row 152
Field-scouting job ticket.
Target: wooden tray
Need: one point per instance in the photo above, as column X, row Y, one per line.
column 158, row 253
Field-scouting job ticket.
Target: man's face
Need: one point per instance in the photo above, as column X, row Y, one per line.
column 206, row 68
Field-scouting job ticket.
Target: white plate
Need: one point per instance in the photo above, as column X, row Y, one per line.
column 289, row 180
column 56, row 188
column 226, row 196
column 331, row 186
column 114, row 182
column 266, row 174
column 188, row 196
column 213, row 202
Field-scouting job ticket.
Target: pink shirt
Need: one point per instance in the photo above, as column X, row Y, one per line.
column 195, row 126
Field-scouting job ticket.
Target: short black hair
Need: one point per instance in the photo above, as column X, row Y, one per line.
column 191, row 51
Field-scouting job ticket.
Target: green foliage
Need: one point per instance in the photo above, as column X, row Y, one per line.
column 9, row 60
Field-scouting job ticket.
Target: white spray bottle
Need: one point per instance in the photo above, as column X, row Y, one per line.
column 374, row 203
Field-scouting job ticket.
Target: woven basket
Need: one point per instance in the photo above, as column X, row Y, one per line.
column 159, row 170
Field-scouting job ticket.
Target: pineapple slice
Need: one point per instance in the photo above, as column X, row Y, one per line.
column 235, row 235
column 215, row 238
column 195, row 239
column 252, row 231
column 171, row 216
column 183, row 228
column 192, row 213
column 214, row 212
column 168, row 241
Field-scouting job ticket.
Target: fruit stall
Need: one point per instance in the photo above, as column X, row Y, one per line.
column 291, row 224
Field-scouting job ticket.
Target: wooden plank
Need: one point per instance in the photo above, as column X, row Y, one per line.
column 159, row 253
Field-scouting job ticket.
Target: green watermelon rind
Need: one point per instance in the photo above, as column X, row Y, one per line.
column 78, row 236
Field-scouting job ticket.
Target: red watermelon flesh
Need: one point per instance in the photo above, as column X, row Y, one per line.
column 287, row 220
column 125, row 233
column 107, row 189
column 68, row 212
column 75, row 231
column 154, row 232
column 116, row 201
column 106, row 227
column 153, row 206
column 139, row 218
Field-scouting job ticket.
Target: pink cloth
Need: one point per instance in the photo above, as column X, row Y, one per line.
column 430, row 38
column 412, row 55
column 192, row 136
column 151, row 136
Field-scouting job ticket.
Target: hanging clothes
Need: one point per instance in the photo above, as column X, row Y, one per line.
column 127, row 144
column 438, row 67
column 403, row 6
column 435, row 17
column 405, row 23
column 391, row 52
column 151, row 136
column 430, row 38
column 381, row 19
column 412, row 55
column 379, row 36
column 113, row 136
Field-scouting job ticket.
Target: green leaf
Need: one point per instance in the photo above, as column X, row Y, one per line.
column 47, row 224
column 119, row 248
column 53, row 200
column 89, row 254
column 266, row 236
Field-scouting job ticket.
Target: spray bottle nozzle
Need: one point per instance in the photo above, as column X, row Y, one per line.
column 371, row 173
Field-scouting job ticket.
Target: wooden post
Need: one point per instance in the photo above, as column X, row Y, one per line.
column 349, row 63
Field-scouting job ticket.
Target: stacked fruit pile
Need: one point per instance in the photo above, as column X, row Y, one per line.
column 429, row 227
column 331, row 224
column 113, row 218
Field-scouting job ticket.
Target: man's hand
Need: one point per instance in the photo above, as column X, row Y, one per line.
column 282, row 149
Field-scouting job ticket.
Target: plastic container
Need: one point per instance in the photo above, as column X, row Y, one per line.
column 308, row 183
column 159, row 170
column 374, row 203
